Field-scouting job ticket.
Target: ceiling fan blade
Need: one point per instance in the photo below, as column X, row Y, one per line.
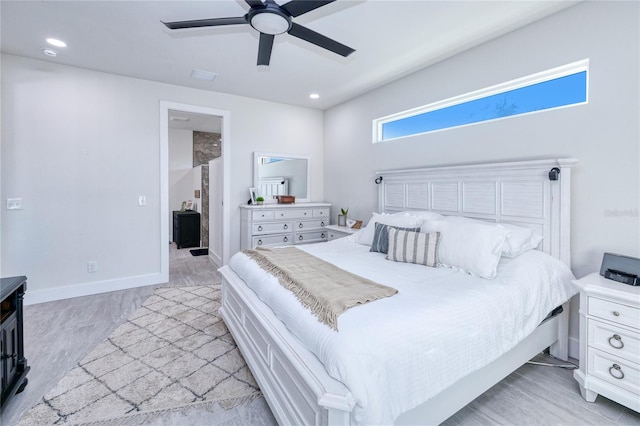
column 254, row 3
column 264, row 49
column 213, row 22
column 318, row 39
column 298, row 7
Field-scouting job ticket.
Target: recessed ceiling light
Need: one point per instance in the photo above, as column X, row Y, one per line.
column 203, row 75
column 314, row 96
column 50, row 52
column 57, row 43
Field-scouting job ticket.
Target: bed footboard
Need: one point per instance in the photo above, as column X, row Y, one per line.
column 293, row 381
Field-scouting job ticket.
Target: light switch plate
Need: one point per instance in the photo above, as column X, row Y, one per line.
column 14, row 203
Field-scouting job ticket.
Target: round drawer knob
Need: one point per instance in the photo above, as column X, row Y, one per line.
column 616, row 371
column 285, row 239
column 259, row 242
column 616, row 341
column 616, row 313
column 322, row 235
column 285, row 226
column 300, row 237
column 300, row 225
column 322, row 223
column 259, row 228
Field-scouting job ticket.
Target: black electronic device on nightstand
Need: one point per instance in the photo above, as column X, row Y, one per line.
column 624, row 269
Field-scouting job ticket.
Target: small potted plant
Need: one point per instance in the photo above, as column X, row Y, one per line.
column 259, row 200
column 342, row 217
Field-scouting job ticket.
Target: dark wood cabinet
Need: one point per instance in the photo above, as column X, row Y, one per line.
column 186, row 228
column 13, row 364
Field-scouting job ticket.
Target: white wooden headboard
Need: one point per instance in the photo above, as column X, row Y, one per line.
column 271, row 186
column 522, row 193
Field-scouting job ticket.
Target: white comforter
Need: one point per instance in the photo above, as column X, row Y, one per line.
column 396, row 353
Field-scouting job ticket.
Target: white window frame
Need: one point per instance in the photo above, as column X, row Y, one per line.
column 551, row 74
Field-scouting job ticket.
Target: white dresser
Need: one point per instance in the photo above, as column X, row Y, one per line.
column 609, row 341
column 283, row 224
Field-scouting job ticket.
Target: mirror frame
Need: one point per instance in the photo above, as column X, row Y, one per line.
column 256, row 164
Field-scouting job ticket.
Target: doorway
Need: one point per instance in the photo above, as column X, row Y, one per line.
column 199, row 119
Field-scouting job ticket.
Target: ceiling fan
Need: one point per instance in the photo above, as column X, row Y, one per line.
column 271, row 19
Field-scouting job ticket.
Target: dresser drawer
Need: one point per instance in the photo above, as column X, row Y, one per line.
column 294, row 213
column 309, row 224
column 617, row 312
column 321, row 212
column 614, row 340
column 614, row 370
column 272, row 240
column 310, row 237
column 263, row 215
column 271, row 228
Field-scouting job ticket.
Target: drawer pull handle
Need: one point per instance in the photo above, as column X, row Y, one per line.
column 285, row 239
column 322, row 223
column 619, row 373
column 323, row 235
column 616, row 313
column 617, row 341
column 259, row 228
column 259, row 242
column 300, row 225
column 300, row 238
column 285, row 226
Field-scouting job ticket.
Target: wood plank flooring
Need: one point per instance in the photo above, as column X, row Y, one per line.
column 59, row 334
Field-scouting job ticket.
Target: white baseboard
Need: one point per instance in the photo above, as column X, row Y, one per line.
column 217, row 260
column 96, row 287
column 574, row 348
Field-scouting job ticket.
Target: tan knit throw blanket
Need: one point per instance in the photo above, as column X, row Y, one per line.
column 323, row 288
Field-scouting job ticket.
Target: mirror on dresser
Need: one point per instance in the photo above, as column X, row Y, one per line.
column 281, row 174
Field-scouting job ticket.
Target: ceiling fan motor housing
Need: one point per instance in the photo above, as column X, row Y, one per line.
column 269, row 20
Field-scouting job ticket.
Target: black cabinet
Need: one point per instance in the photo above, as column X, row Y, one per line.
column 13, row 365
column 186, row 228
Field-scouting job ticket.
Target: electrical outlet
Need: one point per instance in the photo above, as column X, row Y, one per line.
column 142, row 200
column 14, row 203
column 92, row 266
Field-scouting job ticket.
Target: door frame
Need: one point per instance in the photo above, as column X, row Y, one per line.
column 165, row 106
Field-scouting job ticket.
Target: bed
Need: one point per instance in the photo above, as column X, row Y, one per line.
column 308, row 379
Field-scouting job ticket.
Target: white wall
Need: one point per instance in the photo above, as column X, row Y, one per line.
column 180, row 171
column 80, row 146
column 603, row 135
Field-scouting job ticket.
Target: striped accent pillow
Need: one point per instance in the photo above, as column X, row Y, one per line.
column 380, row 242
column 413, row 247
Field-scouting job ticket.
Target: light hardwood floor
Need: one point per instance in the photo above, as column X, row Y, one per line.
column 59, row 334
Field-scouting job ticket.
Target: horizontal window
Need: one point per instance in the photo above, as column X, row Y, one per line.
column 556, row 88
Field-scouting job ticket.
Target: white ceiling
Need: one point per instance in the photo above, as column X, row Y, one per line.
column 392, row 38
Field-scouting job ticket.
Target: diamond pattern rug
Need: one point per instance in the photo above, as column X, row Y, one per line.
column 173, row 351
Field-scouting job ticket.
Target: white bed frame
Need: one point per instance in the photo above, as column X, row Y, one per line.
column 295, row 384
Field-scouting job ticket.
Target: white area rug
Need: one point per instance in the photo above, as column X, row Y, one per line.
column 174, row 351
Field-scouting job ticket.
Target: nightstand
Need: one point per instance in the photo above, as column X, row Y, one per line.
column 336, row 231
column 609, row 341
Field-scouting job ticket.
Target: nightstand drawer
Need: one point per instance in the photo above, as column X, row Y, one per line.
column 614, row 340
column 614, row 370
column 270, row 228
column 612, row 311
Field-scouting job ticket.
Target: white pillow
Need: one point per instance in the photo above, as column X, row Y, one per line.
column 470, row 246
column 519, row 240
column 402, row 220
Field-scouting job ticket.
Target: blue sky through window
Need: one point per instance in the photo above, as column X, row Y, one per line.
column 562, row 91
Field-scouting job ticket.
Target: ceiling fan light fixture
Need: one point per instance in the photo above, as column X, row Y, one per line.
column 270, row 22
